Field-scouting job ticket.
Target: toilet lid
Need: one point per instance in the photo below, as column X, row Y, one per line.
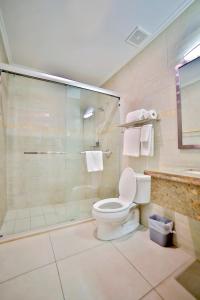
column 127, row 185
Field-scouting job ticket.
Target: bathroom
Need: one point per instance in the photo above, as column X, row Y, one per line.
column 66, row 92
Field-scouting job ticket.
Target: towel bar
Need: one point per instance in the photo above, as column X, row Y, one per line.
column 107, row 152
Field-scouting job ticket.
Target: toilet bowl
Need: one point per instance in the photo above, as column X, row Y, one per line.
column 116, row 217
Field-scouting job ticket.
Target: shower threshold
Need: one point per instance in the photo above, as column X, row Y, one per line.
column 28, row 221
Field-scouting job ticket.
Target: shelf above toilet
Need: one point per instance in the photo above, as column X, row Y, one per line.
column 136, row 123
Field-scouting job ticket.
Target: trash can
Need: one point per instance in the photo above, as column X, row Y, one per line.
column 161, row 230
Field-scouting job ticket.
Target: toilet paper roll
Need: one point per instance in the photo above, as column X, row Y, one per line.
column 152, row 114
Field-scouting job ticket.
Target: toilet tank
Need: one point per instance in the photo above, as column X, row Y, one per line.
column 143, row 192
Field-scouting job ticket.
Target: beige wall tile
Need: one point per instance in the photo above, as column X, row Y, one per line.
column 148, row 81
column 3, row 96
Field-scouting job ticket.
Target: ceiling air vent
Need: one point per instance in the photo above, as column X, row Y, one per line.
column 137, row 37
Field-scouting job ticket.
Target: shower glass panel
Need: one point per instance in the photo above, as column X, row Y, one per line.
column 47, row 127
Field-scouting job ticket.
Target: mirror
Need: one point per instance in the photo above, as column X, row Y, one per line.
column 188, row 104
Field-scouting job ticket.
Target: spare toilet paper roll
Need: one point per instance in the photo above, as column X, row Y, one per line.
column 152, row 114
column 136, row 115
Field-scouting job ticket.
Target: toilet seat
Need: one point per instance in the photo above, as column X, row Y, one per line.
column 116, row 217
column 110, row 205
column 127, row 190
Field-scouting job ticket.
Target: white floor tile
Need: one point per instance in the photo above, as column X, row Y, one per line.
column 48, row 209
column 59, row 207
column 101, row 273
column 73, row 239
column 24, row 255
column 171, row 289
column 8, row 227
column 153, row 295
column 51, row 218
column 10, row 215
column 22, row 225
column 153, row 261
column 61, row 213
column 22, row 213
column 37, row 222
column 41, row 284
column 36, row 211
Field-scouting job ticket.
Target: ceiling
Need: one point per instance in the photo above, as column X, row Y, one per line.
column 83, row 40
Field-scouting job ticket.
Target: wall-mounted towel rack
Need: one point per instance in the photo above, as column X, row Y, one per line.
column 138, row 123
column 107, row 152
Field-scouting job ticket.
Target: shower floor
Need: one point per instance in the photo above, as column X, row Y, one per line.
column 26, row 219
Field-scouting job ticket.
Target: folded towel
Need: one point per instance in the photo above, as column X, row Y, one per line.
column 132, row 142
column 136, row 115
column 94, row 161
column 147, row 140
column 145, row 133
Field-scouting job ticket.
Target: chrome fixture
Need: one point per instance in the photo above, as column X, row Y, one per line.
column 46, row 77
column 89, row 112
column 107, row 152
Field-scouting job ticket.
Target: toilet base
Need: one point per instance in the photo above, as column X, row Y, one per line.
column 108, row 231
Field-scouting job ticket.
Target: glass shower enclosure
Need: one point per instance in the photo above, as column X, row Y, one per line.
column 46, row 125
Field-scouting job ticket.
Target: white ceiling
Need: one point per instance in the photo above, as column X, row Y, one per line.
column 83, row 40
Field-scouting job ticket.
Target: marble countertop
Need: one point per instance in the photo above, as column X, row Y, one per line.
column 178, row 175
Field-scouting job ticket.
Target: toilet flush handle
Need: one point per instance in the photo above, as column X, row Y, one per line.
column 133, row 205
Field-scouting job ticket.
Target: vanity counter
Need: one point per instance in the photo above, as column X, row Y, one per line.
column 176, row 190
column 181, row 176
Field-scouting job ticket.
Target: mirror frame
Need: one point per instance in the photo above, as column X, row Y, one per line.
column 178, row 103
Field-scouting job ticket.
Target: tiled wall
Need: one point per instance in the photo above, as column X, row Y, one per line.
column 148, row 81
column 44, row 116
column 3, row 93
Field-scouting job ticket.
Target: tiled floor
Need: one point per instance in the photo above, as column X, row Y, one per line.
column 22, row 220
column 72, row 264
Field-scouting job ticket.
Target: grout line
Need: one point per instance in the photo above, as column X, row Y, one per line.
column 57, row 267
column 159, row 294
column 146, row 294
column 133, row 265
column 171, row 274
column 24, row 273
column 150, row 292
column 153, row 287
column 46, row 229
column 80, row 252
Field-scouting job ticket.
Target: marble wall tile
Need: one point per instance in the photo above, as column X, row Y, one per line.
column 44, row 116
column 3, row 103
column 148, row 81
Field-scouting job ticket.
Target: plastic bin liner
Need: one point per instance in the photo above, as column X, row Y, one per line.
column 160, row 224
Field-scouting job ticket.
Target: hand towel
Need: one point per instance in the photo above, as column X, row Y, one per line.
column 147, row 140
column 132, row 142
column 136, row 115
column 94, row 161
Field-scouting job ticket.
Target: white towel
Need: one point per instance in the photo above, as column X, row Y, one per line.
column 132, row 141
column 94, row 161
column 147, row 140
column 136, row 115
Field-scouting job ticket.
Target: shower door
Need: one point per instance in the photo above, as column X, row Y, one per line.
column 48, row 128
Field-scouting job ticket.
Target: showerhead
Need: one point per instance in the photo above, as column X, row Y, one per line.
column 89, row 112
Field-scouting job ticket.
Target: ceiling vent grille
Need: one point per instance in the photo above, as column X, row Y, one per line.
column 137, row 37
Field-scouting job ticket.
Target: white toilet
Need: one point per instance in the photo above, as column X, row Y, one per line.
column 118, row 216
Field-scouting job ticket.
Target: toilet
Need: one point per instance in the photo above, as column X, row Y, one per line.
column 117, row 217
